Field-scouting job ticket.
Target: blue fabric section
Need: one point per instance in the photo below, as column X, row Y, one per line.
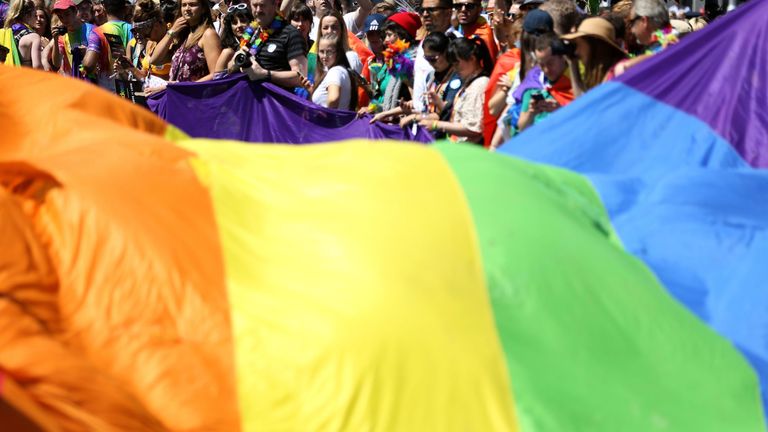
column 680, row 198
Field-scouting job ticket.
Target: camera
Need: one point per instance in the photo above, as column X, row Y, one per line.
column 60, row 30
column 242, row 60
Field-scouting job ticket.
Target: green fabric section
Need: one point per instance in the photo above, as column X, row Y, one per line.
column 593, row 342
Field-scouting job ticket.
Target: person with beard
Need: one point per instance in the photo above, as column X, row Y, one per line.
column 472, row 24
column 557, row 90
column 436, row 17
column 280, row 56
column 84, row 10
column 99, row 14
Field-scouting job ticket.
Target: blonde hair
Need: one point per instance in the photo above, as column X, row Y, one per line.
column 17, row 10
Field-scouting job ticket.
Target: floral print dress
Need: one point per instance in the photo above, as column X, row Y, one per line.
column 188, row 64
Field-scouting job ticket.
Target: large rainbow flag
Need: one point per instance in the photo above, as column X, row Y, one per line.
column 677, row 150
column 150, row 281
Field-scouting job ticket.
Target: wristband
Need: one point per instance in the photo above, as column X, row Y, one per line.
column 434, row 126
column 170, row 33
column 269, row 75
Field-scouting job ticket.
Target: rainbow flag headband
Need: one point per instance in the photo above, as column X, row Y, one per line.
column 255, row 36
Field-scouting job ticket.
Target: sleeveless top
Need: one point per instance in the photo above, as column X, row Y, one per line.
column 188, row 64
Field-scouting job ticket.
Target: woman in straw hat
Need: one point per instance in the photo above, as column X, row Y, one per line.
column 597, row 50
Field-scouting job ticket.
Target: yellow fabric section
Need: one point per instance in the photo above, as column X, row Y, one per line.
column 356, row 289
column 172, row 133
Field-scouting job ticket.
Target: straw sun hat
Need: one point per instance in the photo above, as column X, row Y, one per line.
column 597, row 28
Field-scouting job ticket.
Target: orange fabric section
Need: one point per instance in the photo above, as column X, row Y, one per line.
column 484, row 31
column 504, row 64
column 109, row 266
column 18, row 413
column 365, row 54
column 561, row 90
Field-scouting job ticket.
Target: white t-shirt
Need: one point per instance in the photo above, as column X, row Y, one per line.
column 421, row 73
column 354, row 62
column 339, row 76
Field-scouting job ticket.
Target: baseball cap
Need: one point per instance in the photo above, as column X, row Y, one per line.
column 63, row 5
column 537, row 22
column 409, row 21
column 374, row 22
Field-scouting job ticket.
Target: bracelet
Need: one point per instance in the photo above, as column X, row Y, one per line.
column 434, row 126
column 170, row 33
column 269, row 75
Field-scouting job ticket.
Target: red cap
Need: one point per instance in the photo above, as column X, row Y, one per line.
column 63, row 5
column 407, row 20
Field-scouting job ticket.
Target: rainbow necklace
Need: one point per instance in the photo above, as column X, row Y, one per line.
column 255, row 36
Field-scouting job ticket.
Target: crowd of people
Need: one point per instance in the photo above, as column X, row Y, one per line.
column 464, row 69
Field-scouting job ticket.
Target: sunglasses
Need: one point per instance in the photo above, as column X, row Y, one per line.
column 241, row 6
column 430, row 10
column 431, row 59
column 142, row 31
column 462, row 6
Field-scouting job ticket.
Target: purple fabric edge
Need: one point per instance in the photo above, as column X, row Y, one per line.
column 704, row 75
column 345, row 123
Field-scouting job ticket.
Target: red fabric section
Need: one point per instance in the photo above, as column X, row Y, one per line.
column 562, row 91
column 506, row 63
column 484, row 31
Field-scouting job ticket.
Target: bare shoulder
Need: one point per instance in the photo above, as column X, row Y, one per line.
column 209, row 38
column 210, row 32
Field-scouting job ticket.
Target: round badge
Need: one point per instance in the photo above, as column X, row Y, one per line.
column 271, row 48
column 455, row 84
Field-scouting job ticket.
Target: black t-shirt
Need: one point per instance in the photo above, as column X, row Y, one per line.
column 284, row 45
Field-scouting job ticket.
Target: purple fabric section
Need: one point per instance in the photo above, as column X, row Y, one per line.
column 718, row 75
column 532, row 80
column 239, row 109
